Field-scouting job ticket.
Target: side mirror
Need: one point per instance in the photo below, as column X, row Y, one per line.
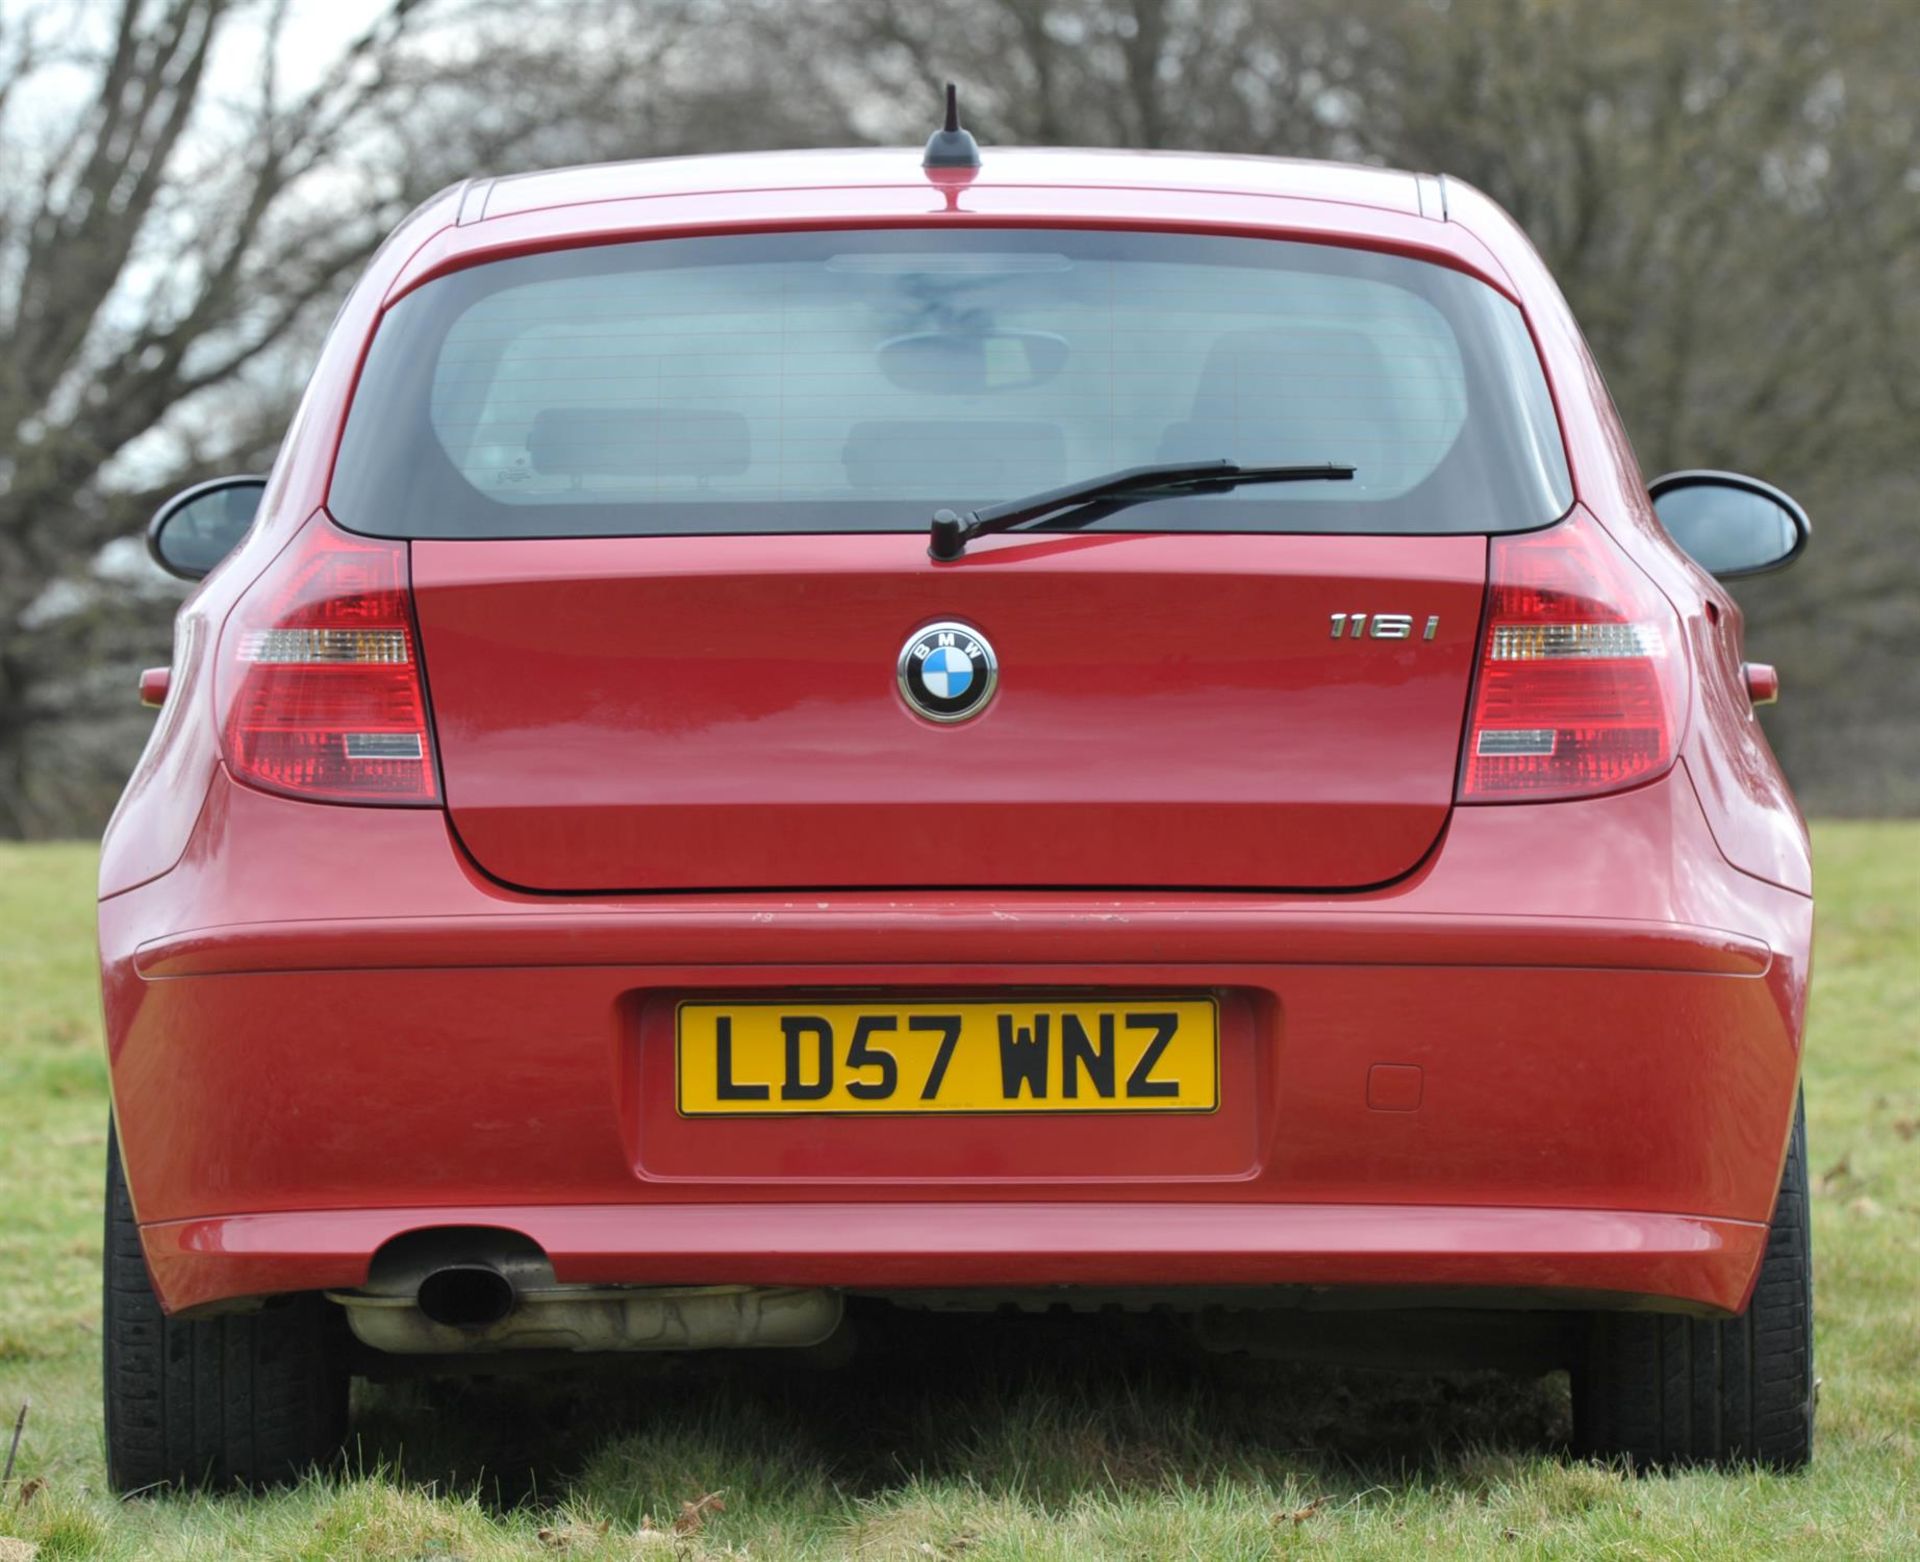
column 1729, row 524
column 197, row 528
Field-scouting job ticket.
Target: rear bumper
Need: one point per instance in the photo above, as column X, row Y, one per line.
column 908, row 1246
column 326, row 1031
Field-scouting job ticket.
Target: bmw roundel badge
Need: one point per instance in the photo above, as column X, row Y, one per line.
column 948, row 672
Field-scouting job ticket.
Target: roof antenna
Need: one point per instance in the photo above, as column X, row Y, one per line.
column 950, row 146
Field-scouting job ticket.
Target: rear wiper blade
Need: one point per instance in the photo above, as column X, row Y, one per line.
column 1099, row 496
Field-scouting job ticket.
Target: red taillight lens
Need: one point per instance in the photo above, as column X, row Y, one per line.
column 1580, row 671
column 320, row 675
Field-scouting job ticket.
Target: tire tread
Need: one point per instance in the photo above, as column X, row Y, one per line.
column 1664, row 1391
column 247, row 1400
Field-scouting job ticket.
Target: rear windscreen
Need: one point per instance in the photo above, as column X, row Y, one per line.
column 859, row 380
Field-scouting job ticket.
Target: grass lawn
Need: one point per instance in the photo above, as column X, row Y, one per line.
column 986, row 1439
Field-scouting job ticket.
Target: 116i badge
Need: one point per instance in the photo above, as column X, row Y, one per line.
column 948, row 672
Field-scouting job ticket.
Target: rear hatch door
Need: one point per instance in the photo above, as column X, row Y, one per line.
column 1172, row 710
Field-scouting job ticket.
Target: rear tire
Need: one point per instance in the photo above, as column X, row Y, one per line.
column 249, row 1400
column 1662, row 1391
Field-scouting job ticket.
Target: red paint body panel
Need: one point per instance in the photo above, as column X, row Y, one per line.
column 328, row 1025
column 891, row 190
column 1042, row 168
column 1749, row 806
column 686, row 713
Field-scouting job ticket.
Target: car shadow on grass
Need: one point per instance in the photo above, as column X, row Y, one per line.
column 1046, row 1408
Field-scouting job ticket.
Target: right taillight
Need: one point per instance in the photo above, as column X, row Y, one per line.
column 319, row 675
column 1580, row 677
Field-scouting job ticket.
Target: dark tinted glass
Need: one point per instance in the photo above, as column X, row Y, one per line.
column 856, row 381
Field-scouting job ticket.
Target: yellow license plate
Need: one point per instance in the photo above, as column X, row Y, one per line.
column 788, row 1057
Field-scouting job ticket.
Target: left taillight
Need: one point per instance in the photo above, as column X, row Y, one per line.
column 1582, row 681
column 319, row 675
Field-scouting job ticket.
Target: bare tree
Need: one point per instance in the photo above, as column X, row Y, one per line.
column 1203, row 74
column 1728, row 190
column 140, row 270
column 167, row 255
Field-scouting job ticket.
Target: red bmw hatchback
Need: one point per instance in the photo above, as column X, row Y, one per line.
column 1062, row 727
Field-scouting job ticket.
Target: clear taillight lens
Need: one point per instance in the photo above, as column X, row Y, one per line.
column 1581, row 672
column 320, row 675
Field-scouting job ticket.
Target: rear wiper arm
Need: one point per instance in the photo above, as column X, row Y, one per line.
column 1101, row 495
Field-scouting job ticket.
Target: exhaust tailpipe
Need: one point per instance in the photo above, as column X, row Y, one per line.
column 466, row 1296
column 468, row 1291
